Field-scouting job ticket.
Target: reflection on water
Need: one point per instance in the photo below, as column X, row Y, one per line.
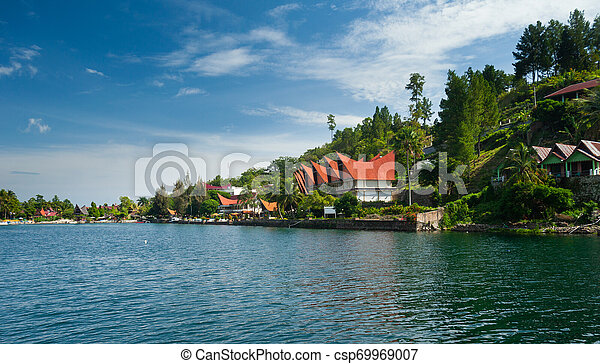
column 226, row 284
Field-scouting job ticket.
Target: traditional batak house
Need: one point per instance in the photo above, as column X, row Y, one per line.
column 564, row 160
column 367, row 180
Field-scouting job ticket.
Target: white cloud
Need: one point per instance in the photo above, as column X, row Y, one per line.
column 94, row 72
column 9, row 70
column 282, row 10
column 19, row 61
column 37, row 124
column 372, row 60
column 300, row 116
column 223, row 62
column 268, row 34
column 186, row 91
column 26, row 53
column 158, row 83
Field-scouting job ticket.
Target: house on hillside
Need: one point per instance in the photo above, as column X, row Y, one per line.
column 565, row 160
column 573, row 91
column 367, row 180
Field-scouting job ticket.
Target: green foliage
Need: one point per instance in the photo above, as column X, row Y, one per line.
column 160, row 203
column 456, row 212
column 347, row 205
column 208, row 208
column 9, row 204
column 530, row 201
column 314, row 203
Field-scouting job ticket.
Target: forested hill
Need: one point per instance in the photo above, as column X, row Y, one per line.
column 486, row 112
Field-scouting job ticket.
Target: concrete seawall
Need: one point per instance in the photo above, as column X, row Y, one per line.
column 347, row 224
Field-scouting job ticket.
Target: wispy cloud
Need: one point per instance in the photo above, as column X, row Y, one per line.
column 299, row 116
column 19, row 61
column 213, row 54
column 34, row 124
column 95, row 72
column 187, row 91
column 282, row 10
column 25, row 173
column 158, row 83
column 224, row 62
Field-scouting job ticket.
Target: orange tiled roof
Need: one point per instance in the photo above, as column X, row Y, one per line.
column 270, row 206
column 227, row 201
column 381, row 169
column 309, row 173
column 333, row 167
column 321, row 173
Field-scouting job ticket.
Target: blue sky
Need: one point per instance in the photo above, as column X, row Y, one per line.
column 87, row 88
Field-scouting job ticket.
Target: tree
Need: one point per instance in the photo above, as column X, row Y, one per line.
column 454, row 130
column 331, row 124
column 532, row 54
column 143, row 201
column 523, row 166
column 420, row 107
column 207, row 208
column 9, row 204
column 591, row 107
column 217, row 181
column 126, row 204
column 574, row 43
column 347, row 205
column 94, row 211
column 409, row 140
column 497, row 79
column 180, row 198
column 160, row 203
column 594, row 42
column 481, row 107
column 553, row 36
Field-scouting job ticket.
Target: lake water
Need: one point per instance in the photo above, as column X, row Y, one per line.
column 230, row 284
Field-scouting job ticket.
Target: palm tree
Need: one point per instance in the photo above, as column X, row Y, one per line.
column 409, row 140
column 288, row 201
column 591, row 106
column 523, row 166
column 143, row 201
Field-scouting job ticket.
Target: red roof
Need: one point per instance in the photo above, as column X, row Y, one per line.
column 270, row 206
column 333, row 167
column 321, row 173
column 542, row 153
column 381, row 169
column 309, row 173
column 227, row 201
column 301, row 182
column 576, row 87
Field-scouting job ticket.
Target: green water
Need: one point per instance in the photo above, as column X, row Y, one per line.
column 229, row 284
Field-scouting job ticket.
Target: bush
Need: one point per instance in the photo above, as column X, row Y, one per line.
column 531, row 201
column 347, row 205
column 455, row 213
column 208, row 208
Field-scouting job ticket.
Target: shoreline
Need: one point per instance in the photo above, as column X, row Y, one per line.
column 358, row 224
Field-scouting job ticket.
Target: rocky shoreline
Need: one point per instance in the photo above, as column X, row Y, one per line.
column 529, row 228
